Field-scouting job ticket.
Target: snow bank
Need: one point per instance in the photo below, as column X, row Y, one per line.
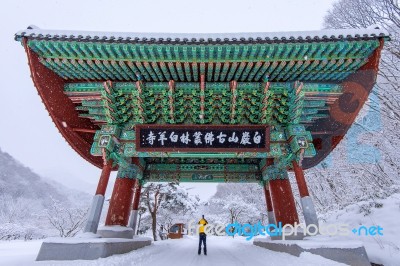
column 383, row 249
column 318, row 241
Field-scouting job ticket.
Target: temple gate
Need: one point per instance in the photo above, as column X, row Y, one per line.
column 245, row 107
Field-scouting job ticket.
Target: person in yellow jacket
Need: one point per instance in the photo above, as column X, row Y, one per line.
column 202, row 235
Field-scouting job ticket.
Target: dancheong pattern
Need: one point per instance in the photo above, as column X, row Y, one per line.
column 120, row 82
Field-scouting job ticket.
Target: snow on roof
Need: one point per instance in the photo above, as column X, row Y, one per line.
column 292, row 36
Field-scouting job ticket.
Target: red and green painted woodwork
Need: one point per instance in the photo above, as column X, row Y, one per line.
column 124, row 146
column 135, row 206
column 120, row 106
column 93, row 220
column 286, row 107
column 307, row 204
column 127, row 81
column 279, row 197
column 121, row 199
column 298, row 139
column 285, row 147
column 189, row 168
column 275, row 172
column 268, row 201
column 299, row 146
column 285, row 61
column 202, row 172
column 127, row 104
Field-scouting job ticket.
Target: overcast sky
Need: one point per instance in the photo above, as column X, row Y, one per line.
column 26, row 130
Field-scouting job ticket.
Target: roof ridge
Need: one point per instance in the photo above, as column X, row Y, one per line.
column 307, row 36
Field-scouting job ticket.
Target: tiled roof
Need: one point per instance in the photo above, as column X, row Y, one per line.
column 33, row 32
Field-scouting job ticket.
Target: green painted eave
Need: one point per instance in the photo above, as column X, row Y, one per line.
column 309, row 61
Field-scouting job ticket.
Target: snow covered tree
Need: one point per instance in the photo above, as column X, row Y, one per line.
column 14, row 210
column 232, row 207
column 347, row 14
column 68, row 221
column 242, row 203
column 168, row 199
column 365, row 165
column 178, row 207
column 17, row 218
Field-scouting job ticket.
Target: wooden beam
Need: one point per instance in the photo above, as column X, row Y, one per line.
column 202, row 100
column 84, row 130
column 233, row 84
column 171, row 86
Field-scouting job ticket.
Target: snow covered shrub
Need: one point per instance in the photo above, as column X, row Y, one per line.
column 366, row 208
column 68, row 221
column 11, row 231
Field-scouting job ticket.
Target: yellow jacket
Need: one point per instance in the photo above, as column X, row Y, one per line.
column 203, row 223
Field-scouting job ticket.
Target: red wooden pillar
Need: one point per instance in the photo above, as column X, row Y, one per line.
column 301, row 182
column 310, row 215
column 268, row 198
column 136, row 199
column 120, row 203
column 270, row 210
column 283, row 201
column 135, row 208
column 104, row 177
column 98, row 200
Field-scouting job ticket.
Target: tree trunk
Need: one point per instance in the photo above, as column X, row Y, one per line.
column 233, row 236
column 154, row 225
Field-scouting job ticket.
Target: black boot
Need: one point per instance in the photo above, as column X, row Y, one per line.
column 199, row 252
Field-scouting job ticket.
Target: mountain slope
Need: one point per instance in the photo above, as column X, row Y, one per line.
column 25, row 198
column 18, row 181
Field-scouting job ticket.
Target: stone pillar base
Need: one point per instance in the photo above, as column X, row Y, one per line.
column 347, row 252
column 310, row 215
column 299, row 235
column 94, row 214
column 115, row 231
column 88, row 249
column 271, row 217
column 133, row 221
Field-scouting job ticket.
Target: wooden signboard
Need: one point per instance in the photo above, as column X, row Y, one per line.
column 202, row 138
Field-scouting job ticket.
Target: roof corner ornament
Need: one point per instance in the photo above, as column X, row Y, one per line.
column 33, row 27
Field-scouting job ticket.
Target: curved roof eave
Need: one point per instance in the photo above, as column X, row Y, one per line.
column 203, row 38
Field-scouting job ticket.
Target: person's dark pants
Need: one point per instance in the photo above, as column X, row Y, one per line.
column 203, row 238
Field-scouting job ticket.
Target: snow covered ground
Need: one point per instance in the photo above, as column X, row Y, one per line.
column 181, row 252
column 18, row 252
column 228, row 251
column 385, row 213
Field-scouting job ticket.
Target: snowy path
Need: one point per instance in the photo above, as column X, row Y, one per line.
column 221, row 251
column 182, row 252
